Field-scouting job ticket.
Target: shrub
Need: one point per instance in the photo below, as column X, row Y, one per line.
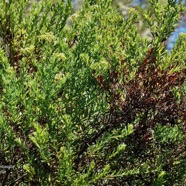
column 91, row 103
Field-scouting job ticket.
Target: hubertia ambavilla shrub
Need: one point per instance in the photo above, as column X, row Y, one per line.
column 91, row 103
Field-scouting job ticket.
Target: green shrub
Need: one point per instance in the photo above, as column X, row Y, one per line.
column 91, row 103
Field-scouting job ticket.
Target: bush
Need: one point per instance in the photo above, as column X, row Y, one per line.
column 91, row 103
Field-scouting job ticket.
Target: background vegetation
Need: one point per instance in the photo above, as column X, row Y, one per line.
column 94, row 102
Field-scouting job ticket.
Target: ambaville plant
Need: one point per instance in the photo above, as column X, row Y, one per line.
column 91, row 102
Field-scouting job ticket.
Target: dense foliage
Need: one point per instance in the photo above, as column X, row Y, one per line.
column 90, row 103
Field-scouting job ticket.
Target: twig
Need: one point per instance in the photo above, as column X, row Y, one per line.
column 18, row 179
